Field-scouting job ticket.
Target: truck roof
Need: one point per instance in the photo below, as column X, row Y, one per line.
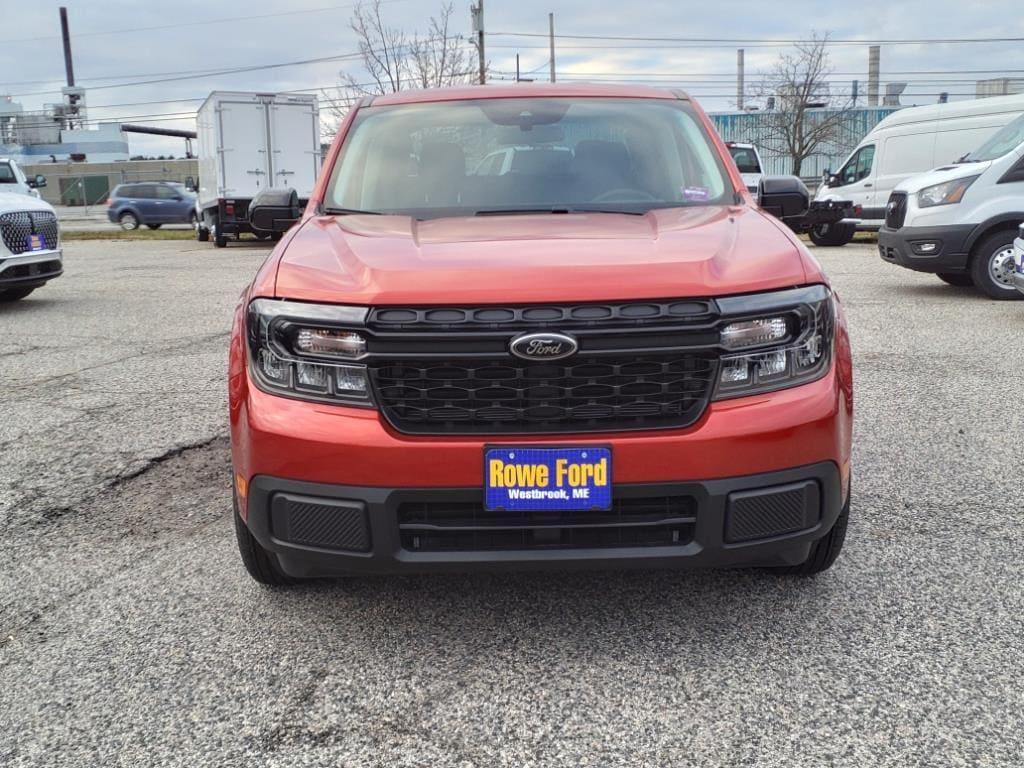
column 529, row 90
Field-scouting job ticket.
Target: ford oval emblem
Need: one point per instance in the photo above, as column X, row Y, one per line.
column 543, row 346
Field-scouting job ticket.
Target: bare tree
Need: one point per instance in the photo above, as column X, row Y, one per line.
column 392, row 60
column 798, row 85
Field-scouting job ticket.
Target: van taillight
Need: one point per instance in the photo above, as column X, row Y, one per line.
column 229, row 209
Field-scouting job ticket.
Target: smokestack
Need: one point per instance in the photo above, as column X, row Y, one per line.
column 874, row 59
column 739, row 79
column 69, row 67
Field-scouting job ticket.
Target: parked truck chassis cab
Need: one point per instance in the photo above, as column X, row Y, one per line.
column 601, row 360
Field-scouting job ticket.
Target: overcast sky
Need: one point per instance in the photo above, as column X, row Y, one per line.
column 168, row 38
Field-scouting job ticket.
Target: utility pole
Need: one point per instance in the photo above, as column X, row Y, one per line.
column 551, row 40
column 477, row 12
column 739, row 79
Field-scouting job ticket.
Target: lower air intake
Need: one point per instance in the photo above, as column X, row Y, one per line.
column 318, row 522
column 775, row 511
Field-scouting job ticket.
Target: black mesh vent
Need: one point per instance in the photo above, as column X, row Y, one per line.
column 321, row 522
column 631, row 391
column 771, row 512
column 438, row 526
column 16, row 227
column 29, row 271
column 896, row 210
column 543, row 316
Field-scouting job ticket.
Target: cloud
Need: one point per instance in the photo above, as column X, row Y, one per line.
column 255, row 33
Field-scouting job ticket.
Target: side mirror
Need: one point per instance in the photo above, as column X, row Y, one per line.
column 190, row 184
column 784, row 197
column 274, row 210
column 38, row 181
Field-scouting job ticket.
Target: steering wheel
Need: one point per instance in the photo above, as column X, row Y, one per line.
column 625, row 195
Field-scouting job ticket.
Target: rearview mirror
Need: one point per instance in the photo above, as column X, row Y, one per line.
column 783, row 197
column 274, row 210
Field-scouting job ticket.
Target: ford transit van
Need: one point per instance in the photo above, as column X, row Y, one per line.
column 959, row 221
column 906, row 143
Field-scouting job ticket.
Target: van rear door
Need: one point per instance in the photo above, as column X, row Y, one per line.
column 295, row 145
column 243, row 142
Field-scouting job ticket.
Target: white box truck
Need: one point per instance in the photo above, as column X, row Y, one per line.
column 254, row 144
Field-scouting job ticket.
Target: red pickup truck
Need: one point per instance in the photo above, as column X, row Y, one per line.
column 594, row 350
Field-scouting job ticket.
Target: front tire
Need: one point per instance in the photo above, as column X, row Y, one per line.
column 261, row 565
column 154, row 226
column 825, row 550
column 15, row 294
column 832, row 234
column 992, row 267
column 959, row 279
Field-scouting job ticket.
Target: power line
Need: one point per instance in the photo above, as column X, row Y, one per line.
column 236, row 70
column 246, row 17
column 763, row 41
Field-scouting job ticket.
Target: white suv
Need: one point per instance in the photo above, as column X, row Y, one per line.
column 13, row 179
column 30, row 252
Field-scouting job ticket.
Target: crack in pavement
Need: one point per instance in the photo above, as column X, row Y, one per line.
column 109, row 482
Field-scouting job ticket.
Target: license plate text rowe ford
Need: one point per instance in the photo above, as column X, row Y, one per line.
column 528, row 479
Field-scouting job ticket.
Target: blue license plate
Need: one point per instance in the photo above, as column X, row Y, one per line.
column 35, row 242
column 525, row 479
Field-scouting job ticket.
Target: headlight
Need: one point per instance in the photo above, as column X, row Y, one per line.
column 309, row 351
column 789, row 344
column 947, row 193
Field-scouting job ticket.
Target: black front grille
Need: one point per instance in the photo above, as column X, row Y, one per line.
column 449, row 370
column 16, row 227
column 439, row 526
column 631, row 391
column 896, row 210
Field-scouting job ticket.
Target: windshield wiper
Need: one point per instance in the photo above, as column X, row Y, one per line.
column 351, row 212
column 553, row 209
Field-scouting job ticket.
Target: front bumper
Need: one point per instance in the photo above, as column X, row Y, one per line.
column 950, row 254
column 328, row 530
column 28, row 270
column 323, row 453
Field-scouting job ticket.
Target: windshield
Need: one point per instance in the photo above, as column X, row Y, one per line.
column 7, row 174
column 1006, row 139
column 545, row 154
column 746, row 159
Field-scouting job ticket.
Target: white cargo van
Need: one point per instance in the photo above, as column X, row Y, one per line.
column 250, row 143
column 908, row 142
column 959, row 221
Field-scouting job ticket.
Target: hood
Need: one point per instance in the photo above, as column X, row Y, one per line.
column 13, row 201
column 691, row 252
column 941, row 175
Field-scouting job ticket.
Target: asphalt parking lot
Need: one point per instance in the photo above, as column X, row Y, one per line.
column 130, row 635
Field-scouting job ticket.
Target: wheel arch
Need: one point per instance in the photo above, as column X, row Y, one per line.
column 1003, row 221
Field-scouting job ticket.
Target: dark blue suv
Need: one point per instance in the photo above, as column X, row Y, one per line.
column 151, row 203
